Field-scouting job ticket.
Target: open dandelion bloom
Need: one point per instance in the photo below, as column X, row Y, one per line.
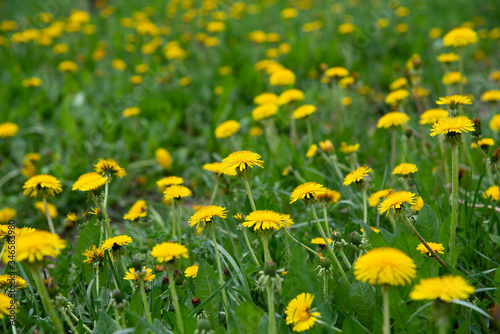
column 303, row 111
column 396, row 201
column 215, row 167
column 385, row 266
column 93, row 255
column 307, row 192
column 283, row 77
column 492, row 193
column 116, row 243
column 398, row 83
column 452, row 126
column 130, row 112
column 266, row 98
column 326, row 146
column 483, row 143
column 299, row 313
column 495, row 123
column 264, row 111
column 36, row 245
column 240, row 161
column 419, row 203
column 454, row 100
column 110, row 167
column 7, row 281
column 290, row 95
column 375, row 198
column 311, row 151
column 431, row 116
column 444, row 288
column 227, row 129
column 393, row 119
column 32, row 82
column 5, row 305
column 146, row 274
column 176, row 191
column 41, row 207
column 264, row 220
column 460, row 37
column 7, row 214
column 336, row 72
column 163, row 158
column 405, row 169
column 207, row 214
column 321, row 241
column 453, row 78
column 138, row 210
column 438, row 248
column 448, row 58
column 330, row 196
column 8, row 129
column 356, row 175
column 348, row 149
column 90, row 182
column 167, row 181
column 396, row 96
column 168, row 251
column 491, row 96
column 67, row 66
column 42, row 185
column 191, row 271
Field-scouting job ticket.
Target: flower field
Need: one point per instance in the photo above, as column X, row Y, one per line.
column 211, row 166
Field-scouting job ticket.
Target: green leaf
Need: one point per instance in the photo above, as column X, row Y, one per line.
column 428, row 224
column 363, row 301
column 351, row 327
column 497, row 280
column 105, row 324
column 62, row 264
column 444, row 232
column 249, row 318
column 495, row 238
column 88, row 236
column 206, row 285
column 136, row 303
column 472, row 307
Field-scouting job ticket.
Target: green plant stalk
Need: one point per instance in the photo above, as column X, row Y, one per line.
column 175, row 300
column 106, row 190
column 454, row 199
column 249, row 193
column 117, row 320
column 245, row 235
column 49, row 218
column 327, row 226
column 97, row 283
column 265, row 244
column 76, row 319
column 270, row 301
column 214, row 192
column 309, row 132
column 335, row 329
column 144, row 300
column 293, row 129
column 69, row 322
column 136, row 225
column 307, row 248
column 386, row 329
column 179, row 231
column 393, row 149
column 106, row 218
column 365, row 208
column 221, row 275
column 113, row 270
column 125, row 271
column 325, row 285
column 329, row 246
column 344, row 258
column 44, row 295
column 174, row 222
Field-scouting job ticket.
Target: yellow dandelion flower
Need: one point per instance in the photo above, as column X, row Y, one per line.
column 419, row 203
column 130, row 112
column 42, row 185
column 299, row 313
column 492, row 193
column 32, row 82
column 303, row 111
column 191, row 271
column 109, row 167
column 215, row 167
column 164, row 182
column 116, row 243
column 448, row 58
column 6, row 304
column 398, row 83
column 491, row 96
column 346, row 82
column 93, row 255
column 163, row 158
column 8, row 281
column 396, row 201
column 453, row 78
column 168, row 251
column 336, row 72
column 356, row 175
column 348, row 149
column 35, row 245
column 483, row 143
column 255, row 131
column 396, row 96
column 444, row 288
column 405, row 169
column 311, row 151
column 227, row 129
column 68, row 66
column 90, row 182
column 346, row 28
column 326, row 146
column 495, row 123
column 283, row 77
column 241, row 161
column 460, row 37
column 290, row 95
column 266, row 98
column 307, row 191
column 454, row 100
column 287, row 220
column 385, row 266
column 452, row 126
column 438, row 248
column 138, row 210
column 41, row 207
column 7, row 214
column 289, row 13
column 393, row 119
column 264, row 111
column 207, row 214
column 375, row 198
column 146, row 274
column 264, row 220
column 321, row 241
column 330, row 196
column 119, row 64
column 431, row 116
column 176, row 191
column 94, row 211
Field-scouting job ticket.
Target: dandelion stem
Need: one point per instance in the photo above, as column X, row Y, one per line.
column 106, row 190
column 249, row 193
column 293, row 129
column 300, row 243
column 265, row 244
column 221, row 275
column 68, row 321
column 49, row 218
column 174, row 221
column 44, row 295
column 245, row 235
column 325, row 285
column 327, row 226
column 335, row 329
column 454, row 199
column 386, row 329
column 270, row 301
column 76, row 319
column 309, row 132
column 125, row 271
column 106, row 218
column 144, row 300
column 117, row 322
column 344, row 258
column 329, row 246
column 175, row 300
column 178, row 207
column 365, row 208
column 214, row 192
column 138, row 233
column 393, row 149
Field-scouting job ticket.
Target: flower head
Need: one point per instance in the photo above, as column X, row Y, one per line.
column 307, row 192
column 264, row 111
column 191, row 271
column 7, row 214
column 8, row 130
column 168, row 251
column 130, row 112
column 41, row 207
column 207, row 214
column 35, row 245
column 311, row 151
column 176, row 191
column 163, row 158
column 303, row 111
column 396, row 201
column 109, row 167
column 385, row 266
column 7, row 281
column 290, row 95
column 163, row 183
column 448, row 58
column 227, row 129
column 431, row 116
column 138, row 210
column 493, row 193
column 375, row 198
column 240, row 162
column 444, row 288
column 460, row 37
column 264, row 220
column 145, row 274
column 5, row 305
column 321, row 241
column 356, row 175
column 396, row 96
column 282, row 77
column 495, row 123
column 438, row 248
column 336, row 72
column 42, row 185
column 326, row 146
column 299, row 313
column 93, row 255
column 452, row 128
column 419, row 203
column 454, row 100
column 405, row 169
column 330, row 196
column 266, row 98
column 348, row 149
column 90, row 182
column 116, row 243
column 491, row 96
column 393, row 119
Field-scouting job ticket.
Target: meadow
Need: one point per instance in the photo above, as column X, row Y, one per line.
column 262, row 166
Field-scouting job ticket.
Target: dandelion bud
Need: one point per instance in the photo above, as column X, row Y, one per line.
column 325, row 262
column 226, row 272
column 477, row 127
column 196, row 302
column 159, row 268
column 203, row 325
column 52, row 287
column 409, row 133
column 461, row 173
column 337, row 236
column 136, row 264
column 355, row 238
column 326, row 146
column 495, row 156
column 165, row 281
column 117, row 296
column 270, row 269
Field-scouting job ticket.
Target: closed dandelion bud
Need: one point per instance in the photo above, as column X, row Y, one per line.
column 165, row 281
column 226, row 272
column 325, row 262
column 495, row 156
column 416, row 61
column 337, row 236
column 52, row 287
column 203, row 325
column 159, row 268
column 270, row 269
column 117, row 296
column 477, row 128
column 409, row 133
column 196, row 302
column 355, row 238
column 136, row 264
column 461, row 173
